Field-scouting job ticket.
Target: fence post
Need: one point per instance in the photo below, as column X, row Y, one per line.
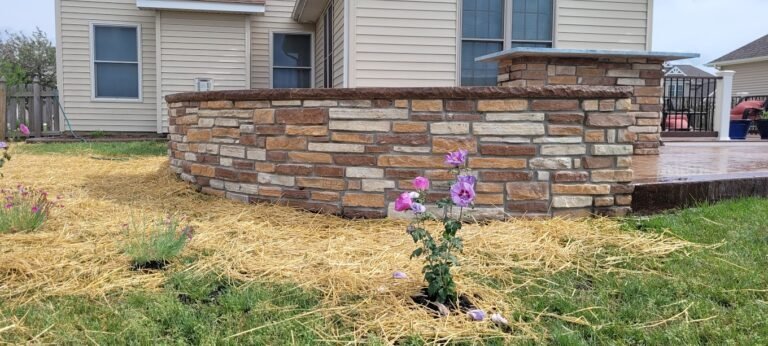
column 36, row 119
column 3, row 109
column 723, row 105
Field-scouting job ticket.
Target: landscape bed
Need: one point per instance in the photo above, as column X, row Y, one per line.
column 267, row 274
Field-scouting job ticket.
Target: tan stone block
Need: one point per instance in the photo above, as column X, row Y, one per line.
column 563, row 130
column 401, row 103
column 377, row 185
column 427, row 105
column 286, row 103
column 309, row 157
column 551, row 163
column 321, row 103
column 411, row 161
column 295, row 130
column 647, row 122
column 508, row 129
column 364, row 172
column 195, row 135
column 581, row 189
column 363, row 200
column 525, row 191
column 502, row 105
column 270, row 191
column 360, row 126
column 555, row 105
column 203, row 171
column 187, row 120
column 562, row 80
column 623, row 73
column 563, row 149
column 264, row 116
column 590, row 105
column 608, row 176
column 286, row 143
column 489, row 199
column 449, row 128
column 368, row 113
column 409, row 127
column 352, row 137
column 607, row 105
column 623, row 199
column 611, row 149
column 514, row 117
column 442, row 145
column 218, row 104
column 356, row 103
column 226, row 132
column 571, row 201
column 321, row 183
column 594, row 136
column 497, row 163
column 274, row 179
column 325, row 196
column 337, row 147
column 624, row 105
column 624, row 162
column 489, row 187
column 610, row 119
column 605, row 201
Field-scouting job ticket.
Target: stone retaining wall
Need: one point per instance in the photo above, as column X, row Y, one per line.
column 643, row 75
column 537, row 151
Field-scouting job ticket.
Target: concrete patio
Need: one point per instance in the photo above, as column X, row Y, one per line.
column 686, row 173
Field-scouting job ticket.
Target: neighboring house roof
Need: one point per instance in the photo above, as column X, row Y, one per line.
column 756, row 50
column 686, row 71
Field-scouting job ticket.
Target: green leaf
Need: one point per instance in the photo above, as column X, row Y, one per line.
column 417, row 253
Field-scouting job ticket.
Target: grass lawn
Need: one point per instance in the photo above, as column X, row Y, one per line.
column 272, row 275
column 106, row 149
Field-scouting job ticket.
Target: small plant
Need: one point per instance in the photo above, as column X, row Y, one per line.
column 438, row 253
column 25, row 210
column 155, row 244
column 98, row 134
column 764, row 115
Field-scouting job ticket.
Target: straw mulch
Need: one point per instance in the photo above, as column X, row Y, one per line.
column 78, row 251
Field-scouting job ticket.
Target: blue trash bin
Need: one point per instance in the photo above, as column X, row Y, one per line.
column 739, row 129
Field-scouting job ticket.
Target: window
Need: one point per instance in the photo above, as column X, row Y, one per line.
column 116, row 67
column 328, row 48
column 489, row 26
column 676, row 89
column 291, row 60
column 203, row 84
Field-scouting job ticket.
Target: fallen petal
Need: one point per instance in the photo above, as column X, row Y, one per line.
column 476, row 315
column 499, row 320
column 442, row 309
column 399, row 275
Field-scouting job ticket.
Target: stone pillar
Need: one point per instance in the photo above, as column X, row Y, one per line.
column 643, row 75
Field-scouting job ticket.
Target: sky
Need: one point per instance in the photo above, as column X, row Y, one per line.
column 711, row 28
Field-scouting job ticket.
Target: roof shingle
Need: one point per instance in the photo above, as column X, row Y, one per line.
column 755, row 49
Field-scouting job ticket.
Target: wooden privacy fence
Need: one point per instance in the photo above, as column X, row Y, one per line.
column 32, row 105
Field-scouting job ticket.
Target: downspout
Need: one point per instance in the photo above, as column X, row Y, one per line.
column 347, row 44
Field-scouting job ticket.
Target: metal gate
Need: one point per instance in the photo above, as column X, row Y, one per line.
column 689, row 106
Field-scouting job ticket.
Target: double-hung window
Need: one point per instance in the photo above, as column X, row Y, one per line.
column 291, row 60
column 116, row 64
column 489, row 26
column 328, row 48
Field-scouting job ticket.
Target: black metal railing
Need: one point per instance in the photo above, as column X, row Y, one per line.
column 689, row 104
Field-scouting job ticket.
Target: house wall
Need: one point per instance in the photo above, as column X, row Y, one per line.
column 600, row 24
column 414, row 43
column 276, row 19
column 85, row 114
column 403, row 43
column 750, row 78
column 201, row 45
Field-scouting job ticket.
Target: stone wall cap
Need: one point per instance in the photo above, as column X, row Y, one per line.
column 521, row 52
column 451, row 93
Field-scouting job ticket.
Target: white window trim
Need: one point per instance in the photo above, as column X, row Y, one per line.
column 271, row 54
column 93, row 62
column 507, row 43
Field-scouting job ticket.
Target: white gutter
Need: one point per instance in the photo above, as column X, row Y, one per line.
column 192, row 5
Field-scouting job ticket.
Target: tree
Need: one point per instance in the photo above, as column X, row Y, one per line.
column 23, row 57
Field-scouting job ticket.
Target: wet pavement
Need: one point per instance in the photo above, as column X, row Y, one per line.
column 703, row 161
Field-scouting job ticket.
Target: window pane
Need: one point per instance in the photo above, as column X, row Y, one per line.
column 292, row 78
column 478, row 73
column 483, row 19
column 292, row 50
column 115, row 43
column 532, row 20
column 117, row 80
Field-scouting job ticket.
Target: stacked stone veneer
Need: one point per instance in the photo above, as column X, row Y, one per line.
column 643, row 75
column 536, row 151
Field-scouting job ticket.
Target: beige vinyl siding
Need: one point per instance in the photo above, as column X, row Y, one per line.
column 338, row 43
column 276, row 19
column 84, row 113
column 399, row 43
column 602, row 24
column 320, row 51
column 201, row 45
column 750, row 78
